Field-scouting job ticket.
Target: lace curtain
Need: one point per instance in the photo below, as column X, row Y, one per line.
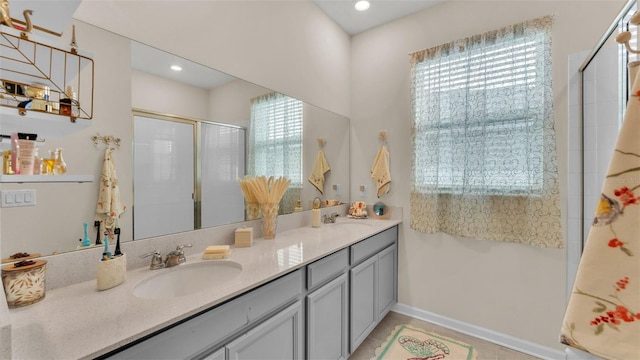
column 275, row 143
column 484, row 156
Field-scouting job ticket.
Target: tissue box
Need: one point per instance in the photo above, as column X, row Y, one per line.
column 244, row 237
column 111, row 273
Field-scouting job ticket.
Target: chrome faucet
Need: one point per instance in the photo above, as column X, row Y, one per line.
column 329, row 219
column 156, row 260
column 176, row 257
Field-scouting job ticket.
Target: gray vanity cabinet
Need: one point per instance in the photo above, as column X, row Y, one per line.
column 327, row 321
column 373, row 283
column 281, row 337
column 255, row 312
column 218, row 355
column 328, row 307
column 321, row 311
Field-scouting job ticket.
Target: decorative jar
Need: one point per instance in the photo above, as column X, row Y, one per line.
column 269, row 220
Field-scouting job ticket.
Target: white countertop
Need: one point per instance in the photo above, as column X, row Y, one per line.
column 78, row 321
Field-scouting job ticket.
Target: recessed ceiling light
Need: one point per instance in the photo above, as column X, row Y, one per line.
column 362, row 5
column 176, row 68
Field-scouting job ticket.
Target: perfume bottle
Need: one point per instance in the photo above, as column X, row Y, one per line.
column 59, row 166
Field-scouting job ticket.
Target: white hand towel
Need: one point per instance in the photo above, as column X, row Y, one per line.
column 380, row 171
column 320, row 168
column 109, row 205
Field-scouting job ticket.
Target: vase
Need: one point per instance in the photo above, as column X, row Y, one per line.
column 86, row 241
column 253, row 211
column 269, row 220
column 59, row 166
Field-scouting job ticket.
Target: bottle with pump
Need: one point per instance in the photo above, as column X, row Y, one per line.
column 315, row 213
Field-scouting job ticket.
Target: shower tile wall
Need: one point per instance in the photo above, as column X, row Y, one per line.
column 601, row 123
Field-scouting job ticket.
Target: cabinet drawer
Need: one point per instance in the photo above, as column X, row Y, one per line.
column 327, row 268
column 372, row 245
column 210, row 329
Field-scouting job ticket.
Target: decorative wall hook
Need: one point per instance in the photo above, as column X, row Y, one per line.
column 625, row 36
column 321, row 142
column 106, row 139
column 382, row 134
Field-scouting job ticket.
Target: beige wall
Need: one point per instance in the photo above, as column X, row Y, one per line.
column 509, row 288
column 291, row 47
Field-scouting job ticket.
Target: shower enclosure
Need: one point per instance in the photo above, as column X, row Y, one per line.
column 598, row 93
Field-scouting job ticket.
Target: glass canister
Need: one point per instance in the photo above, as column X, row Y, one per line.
column 24, row 282
column 48, row 162
column 59, row 166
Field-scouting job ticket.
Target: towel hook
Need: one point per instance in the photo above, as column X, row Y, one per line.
column 625, row 36
column 321, row 143
column 106, row 139
column 382, row 134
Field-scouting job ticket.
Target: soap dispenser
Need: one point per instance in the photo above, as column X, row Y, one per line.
column 315, row 213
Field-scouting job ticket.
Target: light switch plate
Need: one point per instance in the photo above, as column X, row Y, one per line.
column 16, row 198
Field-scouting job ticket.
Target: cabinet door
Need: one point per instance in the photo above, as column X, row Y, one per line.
column 221, row 354
column 364, row 308
column 387, row 280
column 280, row 337
column 327, row 315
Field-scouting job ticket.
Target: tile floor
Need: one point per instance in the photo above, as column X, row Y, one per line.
column 486, row 350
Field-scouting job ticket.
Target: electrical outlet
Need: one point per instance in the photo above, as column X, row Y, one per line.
column 336, row 190
column 16, row 198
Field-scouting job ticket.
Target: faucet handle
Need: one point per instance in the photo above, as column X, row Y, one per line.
column 156, row 260
column 179, row 249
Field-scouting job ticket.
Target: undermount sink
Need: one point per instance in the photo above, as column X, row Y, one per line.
column 187, row 279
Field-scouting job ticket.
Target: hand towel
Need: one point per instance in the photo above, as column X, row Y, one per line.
column 603, row 313
column 110, row 204
column 320, row 168
column 380, row 171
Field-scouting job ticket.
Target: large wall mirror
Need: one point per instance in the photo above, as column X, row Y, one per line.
column 216, row 115
column 215, row 107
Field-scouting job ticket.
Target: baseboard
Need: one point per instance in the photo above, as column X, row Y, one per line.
column 495, row 337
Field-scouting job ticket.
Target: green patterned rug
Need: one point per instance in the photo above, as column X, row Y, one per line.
column 408, row 343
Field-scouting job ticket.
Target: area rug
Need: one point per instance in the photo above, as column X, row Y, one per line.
column 408, row 343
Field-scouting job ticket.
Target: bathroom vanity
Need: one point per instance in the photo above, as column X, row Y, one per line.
column 309, row 293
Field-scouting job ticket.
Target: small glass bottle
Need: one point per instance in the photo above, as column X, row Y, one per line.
column 37, row 163
column 47, row 166
column 59, row 166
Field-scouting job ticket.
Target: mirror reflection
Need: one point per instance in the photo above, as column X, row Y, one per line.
column 222, row 103
column 196, row 131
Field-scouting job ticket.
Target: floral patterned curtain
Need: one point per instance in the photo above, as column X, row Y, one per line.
column 484, row 155
column 275, row 143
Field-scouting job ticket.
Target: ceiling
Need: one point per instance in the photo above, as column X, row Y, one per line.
column 341, row 11
column 380, row 12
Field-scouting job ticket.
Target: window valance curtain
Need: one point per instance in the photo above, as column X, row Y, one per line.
column 484, row 155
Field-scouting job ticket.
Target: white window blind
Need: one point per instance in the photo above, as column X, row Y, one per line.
column 489, row 104
column 483, row 141
column 275, row 137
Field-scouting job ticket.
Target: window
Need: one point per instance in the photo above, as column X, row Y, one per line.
column 474, row 107
column 275, row 142
column 483, row 137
